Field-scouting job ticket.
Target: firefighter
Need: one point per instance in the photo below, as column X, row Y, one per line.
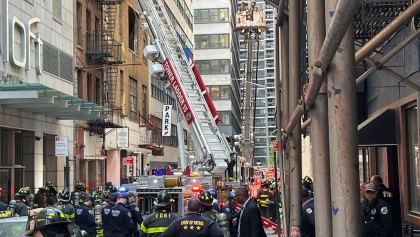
column 156, row 223
column 308, row 216
column 51, row 191
column 84, row 215
column 206, row 200
column 264, row 199
column 135, row 212
column 193, row 224
column 79, row 187
column 40, row 198
column 51, row 222
column 308, row 183
column 22, row 208
column 121, row 224
column 64, row 204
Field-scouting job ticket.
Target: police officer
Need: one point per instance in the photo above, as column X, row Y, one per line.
column 193, row 224
column 376, row 214
column 64, row 204
column 158, row 221
column 106, row 212
column 135, row 212
column 121, row 224
column 231, row 213
column 264, row 199
column 307, row 228
column 21, row 206
column 3, row 205
column 206, row 205
column 84, row 215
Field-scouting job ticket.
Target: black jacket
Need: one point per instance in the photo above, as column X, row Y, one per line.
column 193, row 225
column 3, row 206
column 307, row 226
column 156, row 223
column 250, row 223
column 136, row 217
column 376, row 219
column 85, row 220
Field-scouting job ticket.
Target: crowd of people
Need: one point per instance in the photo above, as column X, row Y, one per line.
column 114, row 212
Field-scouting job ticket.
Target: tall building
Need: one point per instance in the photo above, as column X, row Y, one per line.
column 263, row 64
column 36, row 87
column 213, row 40
column 111, row 71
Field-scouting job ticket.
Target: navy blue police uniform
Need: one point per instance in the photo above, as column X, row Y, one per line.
column 136, row 218
column 376, row 219
column 85, row 220
column 231, row 214
column 307, row 228
column 193, row 225
column 3, row 206
column 121, row 223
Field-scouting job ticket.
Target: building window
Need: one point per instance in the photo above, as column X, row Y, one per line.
column 98, row 90
column 225, row 116
column 133, row 98
column 56, row 9
column 217, row 66
column 413, row 160
column 89, row 87
column 219, row 92
column 144, row 107
column 79, row 24
column 213, row 41
column 204, row 16
column 80, row 84
column 132, row 29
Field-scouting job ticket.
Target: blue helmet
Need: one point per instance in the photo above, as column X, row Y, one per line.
column 213, row 192
column 231, row 195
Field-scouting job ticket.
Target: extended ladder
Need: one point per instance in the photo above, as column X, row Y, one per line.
column 211, row 148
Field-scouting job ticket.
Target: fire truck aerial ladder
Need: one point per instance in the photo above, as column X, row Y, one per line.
column 212, row 151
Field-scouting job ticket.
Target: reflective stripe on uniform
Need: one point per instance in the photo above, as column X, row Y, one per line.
column 152, row 230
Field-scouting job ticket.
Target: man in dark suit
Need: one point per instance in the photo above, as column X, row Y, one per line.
column 250, row 223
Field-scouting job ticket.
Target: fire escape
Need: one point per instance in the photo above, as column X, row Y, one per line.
column 105, row 51
column 153, row 139
column 374, row 15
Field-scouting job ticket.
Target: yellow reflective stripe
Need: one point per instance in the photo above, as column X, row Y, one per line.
column 143, row 228
column 154, row 230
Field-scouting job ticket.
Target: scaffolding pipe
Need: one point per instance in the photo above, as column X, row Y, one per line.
column 344, row 162
column 386, row 32
column 294, row 94
column 284, row 65
column 387, row 57
column 342, row 17
column 319, row 130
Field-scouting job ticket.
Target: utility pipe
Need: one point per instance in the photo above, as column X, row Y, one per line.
column 342, row 17
column 388, row 56
column 319, row 130
column 386, row 32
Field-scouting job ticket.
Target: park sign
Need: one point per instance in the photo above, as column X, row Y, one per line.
column 166, row 120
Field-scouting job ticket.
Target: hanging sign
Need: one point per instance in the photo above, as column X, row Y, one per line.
column 275, row 145
column 166, row 120
column 122, row 137
column 61, row 146
column 178, row 92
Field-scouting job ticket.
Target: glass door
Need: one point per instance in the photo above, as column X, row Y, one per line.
column 5, row 182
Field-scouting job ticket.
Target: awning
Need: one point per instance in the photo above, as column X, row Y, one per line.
column 378, row 130
column 40, row 99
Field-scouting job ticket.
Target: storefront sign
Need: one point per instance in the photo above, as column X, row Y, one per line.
column 13, row 27
column 122, row 138
column 61, row 146
column 166, row 121
column 129, row 160
column 178, row 92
